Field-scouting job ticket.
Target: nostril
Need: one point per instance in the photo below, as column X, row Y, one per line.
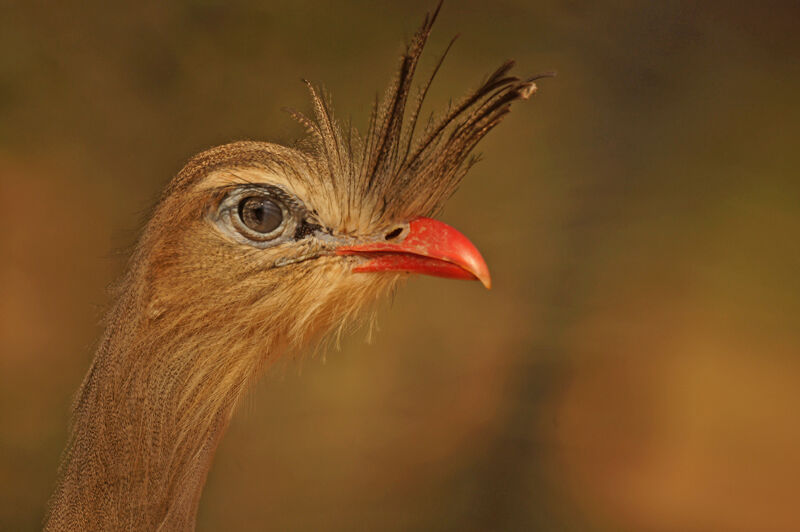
column 394, row 233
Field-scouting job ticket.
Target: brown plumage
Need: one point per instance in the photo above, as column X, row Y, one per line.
column 209, row 301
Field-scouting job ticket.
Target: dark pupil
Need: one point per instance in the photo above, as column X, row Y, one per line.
column 260, row 214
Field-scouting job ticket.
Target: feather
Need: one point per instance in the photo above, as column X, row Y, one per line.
column 394, row 175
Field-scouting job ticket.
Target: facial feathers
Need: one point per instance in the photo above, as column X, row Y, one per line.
column 351, row 186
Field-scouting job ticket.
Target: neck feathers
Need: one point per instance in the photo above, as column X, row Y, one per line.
column 181, row 347
column 147, row 421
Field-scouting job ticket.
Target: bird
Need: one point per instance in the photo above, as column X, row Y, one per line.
column 255, row 250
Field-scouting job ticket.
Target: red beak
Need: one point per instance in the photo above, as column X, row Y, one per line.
column 430, row 247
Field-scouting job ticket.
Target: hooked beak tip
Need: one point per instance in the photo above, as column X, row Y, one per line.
column 485, row 280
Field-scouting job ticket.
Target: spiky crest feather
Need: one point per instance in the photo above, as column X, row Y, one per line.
column 389, row 174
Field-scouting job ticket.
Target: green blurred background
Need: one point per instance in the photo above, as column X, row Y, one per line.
column 637, row 365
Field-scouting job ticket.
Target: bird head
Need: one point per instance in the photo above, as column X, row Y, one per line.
column 301, row 239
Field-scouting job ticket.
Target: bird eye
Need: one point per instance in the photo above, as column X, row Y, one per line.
column 260, row 214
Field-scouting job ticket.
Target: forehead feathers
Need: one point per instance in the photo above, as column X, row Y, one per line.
column 398, row 170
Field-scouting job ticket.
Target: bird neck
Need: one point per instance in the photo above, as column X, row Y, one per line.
column 147, row 422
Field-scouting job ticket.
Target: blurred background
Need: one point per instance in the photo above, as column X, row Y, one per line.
column 637, row 365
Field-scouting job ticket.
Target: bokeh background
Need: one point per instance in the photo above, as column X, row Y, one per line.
column 637, row 365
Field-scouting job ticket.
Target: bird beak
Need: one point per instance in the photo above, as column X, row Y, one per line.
column 430, row 247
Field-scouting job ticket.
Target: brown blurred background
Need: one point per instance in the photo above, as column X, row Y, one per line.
column 637, row 365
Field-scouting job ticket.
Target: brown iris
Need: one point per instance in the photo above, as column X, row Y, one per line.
column 260, row 214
